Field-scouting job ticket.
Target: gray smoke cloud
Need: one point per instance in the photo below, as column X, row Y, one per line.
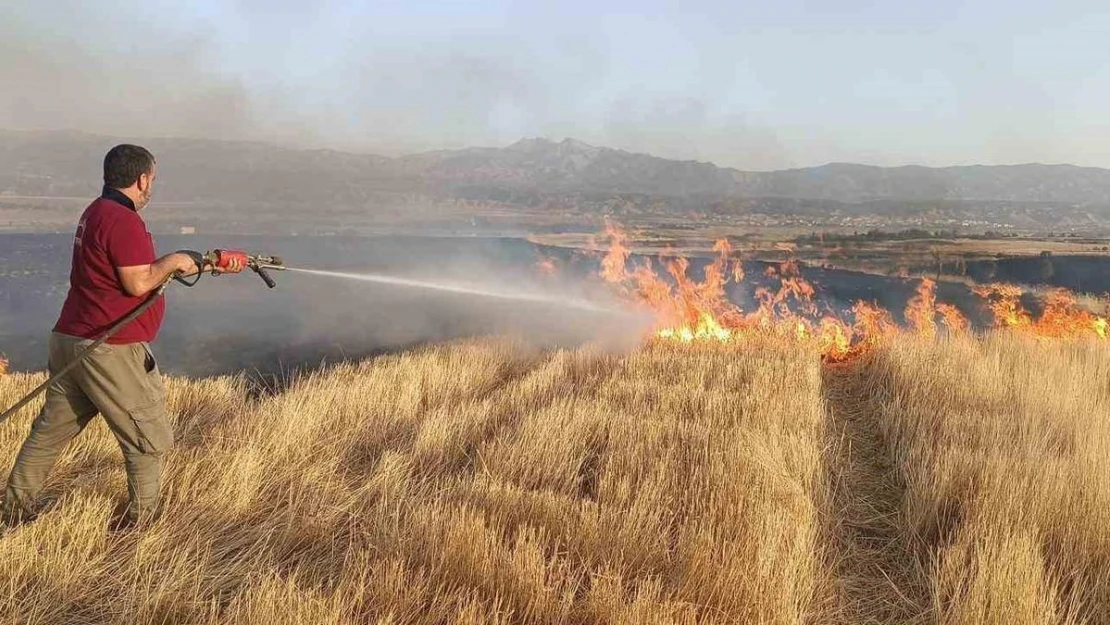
column 111, row 70
column 120, row 70
column 684, row 128
column 762, row 87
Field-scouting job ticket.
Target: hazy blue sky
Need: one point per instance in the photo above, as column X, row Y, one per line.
column 748, row 84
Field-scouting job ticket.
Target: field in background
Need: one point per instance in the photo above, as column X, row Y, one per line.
column 777, row 243
column 959, row 481
column 1077, row 264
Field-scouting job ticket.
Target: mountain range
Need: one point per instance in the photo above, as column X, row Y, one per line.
column 574, row 165
column 534, row 171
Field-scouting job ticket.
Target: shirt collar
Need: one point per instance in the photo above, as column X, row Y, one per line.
column 117, row 196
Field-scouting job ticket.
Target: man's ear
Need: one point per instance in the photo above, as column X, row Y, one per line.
column 144, row 182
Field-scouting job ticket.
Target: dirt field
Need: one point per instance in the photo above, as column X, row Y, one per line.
column 960, row 481
column 778, row 243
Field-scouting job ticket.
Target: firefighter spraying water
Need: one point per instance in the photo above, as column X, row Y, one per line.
column 100, row 356
column 222, row 260
column 217, row 261
column 100, row 360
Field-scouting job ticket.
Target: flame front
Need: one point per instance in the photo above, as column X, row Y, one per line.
column 706, row 329
column 690, row 310
column 546, row 266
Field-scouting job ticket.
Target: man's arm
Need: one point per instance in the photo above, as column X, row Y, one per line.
column 138, row 280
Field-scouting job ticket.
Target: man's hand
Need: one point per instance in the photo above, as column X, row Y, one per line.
column 183, row 263
column 235, row 265
column 139, row 280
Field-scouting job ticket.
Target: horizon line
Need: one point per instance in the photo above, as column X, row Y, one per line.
column 565, row 139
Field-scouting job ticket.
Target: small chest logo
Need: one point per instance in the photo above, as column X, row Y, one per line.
column 78, row 239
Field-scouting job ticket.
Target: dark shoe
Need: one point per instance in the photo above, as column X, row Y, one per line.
column 12, row 519
column 121, row 524
column 129, row 521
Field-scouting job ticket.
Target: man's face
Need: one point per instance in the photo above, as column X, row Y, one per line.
column 146, row 187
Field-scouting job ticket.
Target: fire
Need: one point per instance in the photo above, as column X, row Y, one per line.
column 613, row 265
column 873, row 323
column 953, row 319
column 1061, row 316
column 922, row 312
column 706, row 329
column 546, row 266
column 736, row 268
column 1004, row 300
column 691, row 310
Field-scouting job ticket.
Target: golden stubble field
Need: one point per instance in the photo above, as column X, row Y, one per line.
column 962, row 480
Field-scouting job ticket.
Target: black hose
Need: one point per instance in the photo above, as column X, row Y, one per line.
column 140, row 309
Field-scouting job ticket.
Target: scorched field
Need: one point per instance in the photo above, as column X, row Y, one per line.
column 959, row 480
column 776, row 465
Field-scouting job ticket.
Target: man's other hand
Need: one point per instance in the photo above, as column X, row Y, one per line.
column 138, row 280
column 235, row 265
column 184, row 264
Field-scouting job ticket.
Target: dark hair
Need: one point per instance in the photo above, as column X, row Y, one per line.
column 124, row 164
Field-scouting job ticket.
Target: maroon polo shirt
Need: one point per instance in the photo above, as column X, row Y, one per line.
column 110, row 234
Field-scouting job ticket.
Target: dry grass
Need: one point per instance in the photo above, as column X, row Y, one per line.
column 482, row 482
column 1004, row 449
column 470, row 483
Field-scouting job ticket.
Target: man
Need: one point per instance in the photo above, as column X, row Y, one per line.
column 114, row 269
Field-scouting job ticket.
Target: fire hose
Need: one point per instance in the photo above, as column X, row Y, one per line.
column 215, row 259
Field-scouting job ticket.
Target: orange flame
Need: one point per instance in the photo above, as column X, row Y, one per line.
column 953, row 318
column 921, row 311
column 1004, row 300
column 546, row 266
column 1063, row 318
column 612, row 266
column 690, row 310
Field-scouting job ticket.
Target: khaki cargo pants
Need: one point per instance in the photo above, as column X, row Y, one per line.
column 121, row 382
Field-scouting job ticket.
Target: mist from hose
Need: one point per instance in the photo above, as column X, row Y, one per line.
column 463, row 290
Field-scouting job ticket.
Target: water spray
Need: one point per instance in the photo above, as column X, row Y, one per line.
column 458, row 289
column 214, row 260
column 262, row 264
column 220, row 259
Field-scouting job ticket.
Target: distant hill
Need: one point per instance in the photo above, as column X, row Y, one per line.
column 572, row 165
column 539, row 172
column 66, row 163
column 847, row 182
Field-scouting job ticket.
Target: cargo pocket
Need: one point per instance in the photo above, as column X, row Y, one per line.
column 150, row 365
column 153, row 427
column 151, row 376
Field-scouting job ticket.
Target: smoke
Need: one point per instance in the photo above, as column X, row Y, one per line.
column 688, row 128
column 787, row 85
column 117, row 69
column 344, row 77
column 56, row 78
column 309, row 319
column 121, row 70
column 232, row 324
